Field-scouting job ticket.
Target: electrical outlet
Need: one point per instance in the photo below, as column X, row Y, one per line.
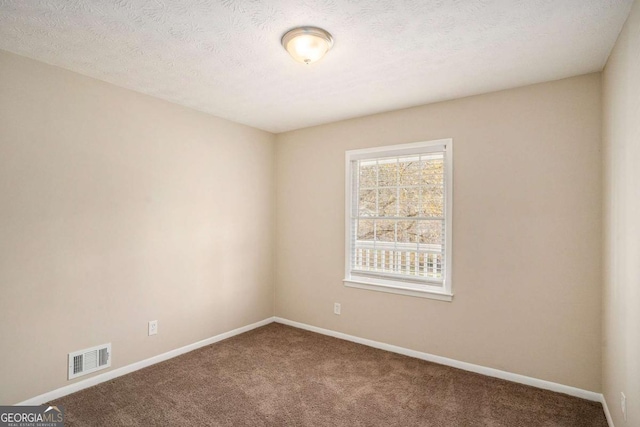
column 623, row 405
column 336, row 308
column 153, row 327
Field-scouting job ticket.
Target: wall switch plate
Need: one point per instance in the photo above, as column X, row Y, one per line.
column 623, row 405
column 336, row 308
column 153, row 327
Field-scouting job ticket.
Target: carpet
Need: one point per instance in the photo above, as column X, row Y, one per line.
column 278, row 375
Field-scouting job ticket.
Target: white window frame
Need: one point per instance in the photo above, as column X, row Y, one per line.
column 392, row 285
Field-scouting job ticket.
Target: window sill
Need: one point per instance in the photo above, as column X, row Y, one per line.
column 440, row 296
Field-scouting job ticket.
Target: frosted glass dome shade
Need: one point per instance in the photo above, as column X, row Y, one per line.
column 307, row 44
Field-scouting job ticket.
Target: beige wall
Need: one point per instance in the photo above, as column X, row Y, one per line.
column 116, row 209
column 621, row 298
column 527, row 231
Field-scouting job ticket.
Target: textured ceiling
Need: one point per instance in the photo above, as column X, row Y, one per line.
column 224, row 57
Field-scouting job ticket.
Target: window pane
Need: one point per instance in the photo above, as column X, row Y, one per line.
column 409, row 202
column 431, row 234
column 432, row 266
column 368, row 176
column 412, row 259
column 387, row 172
column 408, row 232
column 409, row 169
column 387, row 202
column 385, row 231
column 365, row 229
column 432, row 201
column 367, row 203
column 433, row 170
column 432, row 186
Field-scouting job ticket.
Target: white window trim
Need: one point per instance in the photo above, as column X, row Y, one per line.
column 444, row 293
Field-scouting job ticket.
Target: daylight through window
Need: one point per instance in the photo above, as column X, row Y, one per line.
column 398, row 220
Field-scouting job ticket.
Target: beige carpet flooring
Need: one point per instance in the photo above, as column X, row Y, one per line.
column 277, row 375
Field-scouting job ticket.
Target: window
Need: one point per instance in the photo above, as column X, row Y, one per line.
column 398, row 230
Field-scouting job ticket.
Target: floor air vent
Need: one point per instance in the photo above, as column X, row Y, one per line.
column 89, row 360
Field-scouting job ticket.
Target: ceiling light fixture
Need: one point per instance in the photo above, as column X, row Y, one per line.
column 307, row 44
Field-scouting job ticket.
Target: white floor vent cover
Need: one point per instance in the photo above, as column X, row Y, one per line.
column 89, row 360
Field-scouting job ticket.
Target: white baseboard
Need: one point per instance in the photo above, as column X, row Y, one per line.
column 606, row 410
column 496, row 373
column 109, row 375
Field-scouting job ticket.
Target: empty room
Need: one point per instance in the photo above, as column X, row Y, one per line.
column 320, row 213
